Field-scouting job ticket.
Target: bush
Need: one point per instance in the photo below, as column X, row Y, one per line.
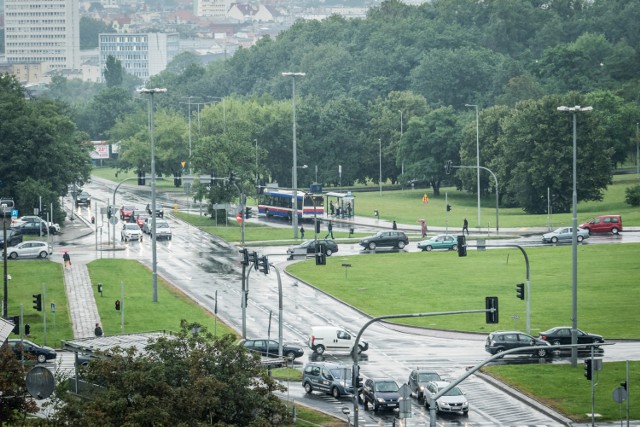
column 632, row 195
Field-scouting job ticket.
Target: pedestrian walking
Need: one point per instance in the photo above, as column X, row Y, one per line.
column 332, row 209
column 98, row 330
column 329, row 230
column 423, row 228
column 465, row 226
column 67, row 260
column 302, row 232
column 394, row 226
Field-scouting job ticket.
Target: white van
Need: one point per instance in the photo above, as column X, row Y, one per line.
column 332, row 339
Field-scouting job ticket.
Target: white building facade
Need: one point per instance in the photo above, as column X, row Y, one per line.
column 45, row 32
column 142, row 55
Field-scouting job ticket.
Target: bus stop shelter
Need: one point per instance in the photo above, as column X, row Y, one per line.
column 343, row 204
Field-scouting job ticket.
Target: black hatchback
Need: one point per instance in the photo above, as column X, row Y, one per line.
column 269, row 348
column 394, row 239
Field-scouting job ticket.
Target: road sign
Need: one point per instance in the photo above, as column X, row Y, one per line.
column 113, row 220
column 183, row 164
column 619, row 394
column 53, row 307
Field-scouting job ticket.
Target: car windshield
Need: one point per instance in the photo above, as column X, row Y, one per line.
column 162, row 224
column 454, row 392
column 386, row 386
column 338, row 373
column 132, row 227
column 428, row 376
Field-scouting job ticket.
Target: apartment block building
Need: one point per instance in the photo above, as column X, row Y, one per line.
column 42, row 35
column 141, row 54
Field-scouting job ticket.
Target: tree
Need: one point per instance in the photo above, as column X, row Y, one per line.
column 113, row 72
column 191, row 378
column 14, row 398
column 89, row 31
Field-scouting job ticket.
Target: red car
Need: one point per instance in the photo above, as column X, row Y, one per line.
column 140, row 218
column 126, row 211
column 604, row 224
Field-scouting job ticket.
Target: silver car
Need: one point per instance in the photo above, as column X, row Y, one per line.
column 30, row 249
column 163, row 230
column 564, row 234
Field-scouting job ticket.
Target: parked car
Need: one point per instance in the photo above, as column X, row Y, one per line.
column 130, row 231
column 562, row 335
column 394, row 239
column 163, row 230
column 418, row 380
column 30, row 249
column 83, row 199
column 159, row 211
column 331, row 378
column 330, row 247
column 126, row 211
column 40, row 353
column 604, row 224
column 500, row 341
column 441, row 241
column 31, row 223
column 269, row 348
column 14, row 236
column 381, row 393
column 452, row 401
column 564, row 234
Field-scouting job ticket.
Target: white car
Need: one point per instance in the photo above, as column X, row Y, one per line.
column 30, row 249
column 130, row 231
column 453, row 401
column 163, row 230
column 17, row 223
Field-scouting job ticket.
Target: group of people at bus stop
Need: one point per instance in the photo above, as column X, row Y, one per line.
column 339, row 211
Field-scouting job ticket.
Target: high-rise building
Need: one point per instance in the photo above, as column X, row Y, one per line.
column 44, row 32
column 141, row 54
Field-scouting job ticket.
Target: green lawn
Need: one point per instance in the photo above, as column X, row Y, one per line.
column 393, row 283
column 141, row 313
column 566, row 390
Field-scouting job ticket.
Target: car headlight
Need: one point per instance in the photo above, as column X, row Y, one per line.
column 421, row 388
column 380, row 400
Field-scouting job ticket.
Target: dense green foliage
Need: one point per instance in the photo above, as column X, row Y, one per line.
column 192, row 378
column 89, row 30
column 42, row 151
column 632, row 195
column 386, row 98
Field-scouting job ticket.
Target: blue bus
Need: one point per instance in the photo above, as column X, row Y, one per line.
column 277, row 203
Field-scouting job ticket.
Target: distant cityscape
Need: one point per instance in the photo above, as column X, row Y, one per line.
column 42, row 37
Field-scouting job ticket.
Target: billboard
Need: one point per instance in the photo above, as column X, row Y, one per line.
column 100, row 150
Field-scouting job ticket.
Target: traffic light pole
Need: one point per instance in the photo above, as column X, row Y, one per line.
column 355, row 352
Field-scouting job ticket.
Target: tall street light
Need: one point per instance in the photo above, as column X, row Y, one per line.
column 294, row 170
column 477, row 155
column 400, row 111
column 574, row 241
column 380, row 158
column 154, row 258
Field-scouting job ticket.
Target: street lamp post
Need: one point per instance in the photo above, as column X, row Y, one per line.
column 477, row 154
column 574, row 240
column 380, row 161
column 400, row 111
column 154, row 258
column 294, row 172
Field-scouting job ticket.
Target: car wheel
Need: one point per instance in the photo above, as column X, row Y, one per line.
column 307, row 388
column 554, row 239
column 328, row 252
column 454, row 247
column 401, row 245
column 372, row 246
column 319, row 349
column 541, row 352
column 614, row 230
column 291, row 356
column 499, row 350
column 580, row 238
column 43, row 254
column 41, row 358
column 428, row 248
column 335, row 392
column 13, row 255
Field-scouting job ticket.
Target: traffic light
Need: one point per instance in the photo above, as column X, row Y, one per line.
column 177, row 179
column 245, row 256
column 140, row 177
column 118, row 304
column 448, row 207
column 317, row 226
column 356, row 379
column 16, row 324
column 108, row 212
column 623, row 385
column 588, row 369
column 37, row 301
column 491, row 302
column 253, row 257
column 27, row 329
column 462, row 246
column 232, row 178
column 247, row 212
column 263, row 264
column 520, row 290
